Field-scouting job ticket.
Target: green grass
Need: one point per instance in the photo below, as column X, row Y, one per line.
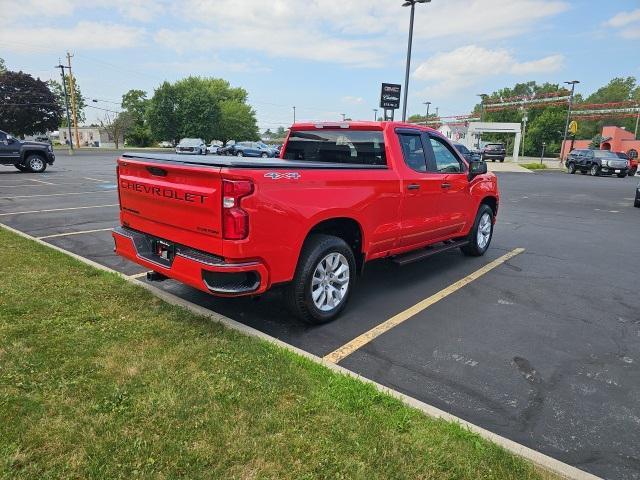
column 534, row 166
column 100, row 379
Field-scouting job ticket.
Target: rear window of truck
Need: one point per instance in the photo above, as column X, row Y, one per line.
column 358, row 147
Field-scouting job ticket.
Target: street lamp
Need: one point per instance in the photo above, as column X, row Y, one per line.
column 566, row 125
column 426, row 119
column 482, row 97
column 412, row 4
column 294, row 114
column 344, row 115
column 375, row 114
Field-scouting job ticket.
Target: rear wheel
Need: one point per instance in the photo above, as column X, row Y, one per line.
column 595, row 170
column 323, row 280
column 481, row 233
column 240, row 154
column 36, row 164
column 571, row 168
column 264, row 155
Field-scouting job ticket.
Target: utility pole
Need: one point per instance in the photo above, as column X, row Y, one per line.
column 412, row 4
column 637, row 121
column 426, row 119
column 66, row 103
column 344, row 115
column 566, row 125
column 482, row 97
column 294, row 114
column 375, row 114
column 74, row 108
column 525, row 119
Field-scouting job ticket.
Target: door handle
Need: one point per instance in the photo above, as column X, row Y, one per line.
column 446, row 185
column 413, row 186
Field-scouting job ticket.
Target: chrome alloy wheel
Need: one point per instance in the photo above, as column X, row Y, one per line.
column 484, row 231
column 330, row 282
column 36, row 164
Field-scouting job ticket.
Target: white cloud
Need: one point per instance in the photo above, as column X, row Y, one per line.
column 462, row 67
column 623, row 19
column 83, row 36
column 351, row 100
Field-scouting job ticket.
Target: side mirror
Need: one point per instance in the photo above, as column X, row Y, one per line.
column 477, row 168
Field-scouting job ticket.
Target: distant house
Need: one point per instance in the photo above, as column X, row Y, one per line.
column 89, row 137
column 456, row 132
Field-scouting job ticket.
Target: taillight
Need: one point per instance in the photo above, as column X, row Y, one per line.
column 235, row 220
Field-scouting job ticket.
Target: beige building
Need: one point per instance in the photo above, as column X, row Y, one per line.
column 89, row 137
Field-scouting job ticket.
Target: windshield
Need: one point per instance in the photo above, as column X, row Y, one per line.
column 337, row 146
column 604, row 154
column 189, row 142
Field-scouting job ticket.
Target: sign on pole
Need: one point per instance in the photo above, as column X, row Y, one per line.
column 390, row 96
column 573, row 127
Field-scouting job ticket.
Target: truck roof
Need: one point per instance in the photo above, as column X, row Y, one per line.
column 358, row 125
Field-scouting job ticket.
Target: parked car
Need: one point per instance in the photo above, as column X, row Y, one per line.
column 469, row 155
column 214, row 147
column 576, row 156
column 343, row 194
column 25, row 156
column 633, row 163
column 191, row 146
column 251, row 149
column 165, row 144
column 597, row 162
column 636, row 203
column 493, row 152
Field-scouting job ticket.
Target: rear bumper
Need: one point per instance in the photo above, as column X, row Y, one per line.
column 201, row 270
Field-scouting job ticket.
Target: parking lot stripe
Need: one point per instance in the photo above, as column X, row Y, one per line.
column 55, row 194
column 139, row 275
column 75, row 233
column 58, row 209
column 96, row 180
column 40, row 181
column 358, row 342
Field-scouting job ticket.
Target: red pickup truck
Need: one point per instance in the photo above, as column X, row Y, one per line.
column 341, row 194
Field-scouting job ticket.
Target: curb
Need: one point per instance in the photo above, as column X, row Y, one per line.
column 539, row 459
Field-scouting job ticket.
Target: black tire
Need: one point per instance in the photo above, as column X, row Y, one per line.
column 473, row 248
column 636, row 203
column 264, row 155
column 594, row 170
column 571, row 168
column 298, row 293
column 22, row 168
column 240, row 154
column 36, row 163
column 622, row 175
column 502, row 160
column 632, row 172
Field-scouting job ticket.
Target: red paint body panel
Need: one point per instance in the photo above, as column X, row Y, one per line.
column 182, row 203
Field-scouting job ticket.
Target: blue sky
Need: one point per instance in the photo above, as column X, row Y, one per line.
column 327, row 57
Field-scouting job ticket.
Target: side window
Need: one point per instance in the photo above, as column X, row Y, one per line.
column 446, row 161
column 413, row 151
column 3, row 137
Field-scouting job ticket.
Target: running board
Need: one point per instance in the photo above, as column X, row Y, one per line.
column 427, row 252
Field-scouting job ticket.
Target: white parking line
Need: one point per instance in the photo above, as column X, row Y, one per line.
column 74, row 233
column 57, row 194
column 97, row 180
column 40, row 181
column 57, row 209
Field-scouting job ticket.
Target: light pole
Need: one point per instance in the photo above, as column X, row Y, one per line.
column 426, row 119
column 525, row 119
column 482, row 97
column 294, row 114
column 375, row 114
column 637, row 120
column 344, row 115
column 412, row 4
column 566, row 125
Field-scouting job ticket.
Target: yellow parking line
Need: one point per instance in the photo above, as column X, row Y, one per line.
column 74, row 233
column 138, row 275
column 57, row 209
column 358, row 342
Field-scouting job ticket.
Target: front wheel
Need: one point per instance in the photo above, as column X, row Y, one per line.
column 36, row 164
column 323, row 280
column 632, row 172
column 264, row 155
column 622, row 175
column 595, row 170
column 240, row 154
column 571, row 168
column 481, row 233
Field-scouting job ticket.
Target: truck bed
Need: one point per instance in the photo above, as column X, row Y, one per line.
column 243, row 162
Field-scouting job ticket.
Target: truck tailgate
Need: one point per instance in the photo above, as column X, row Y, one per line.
column 175, row 202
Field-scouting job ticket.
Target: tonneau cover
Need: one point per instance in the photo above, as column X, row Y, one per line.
column 242, row 162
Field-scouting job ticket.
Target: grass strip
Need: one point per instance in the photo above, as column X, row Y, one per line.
column 534, row 166
column 100, row 379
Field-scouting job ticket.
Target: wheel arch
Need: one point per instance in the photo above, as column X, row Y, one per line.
column 346, row 228
column 27, row 153
column 492, row 202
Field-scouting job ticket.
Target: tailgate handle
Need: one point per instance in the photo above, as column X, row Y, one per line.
column 158, row 172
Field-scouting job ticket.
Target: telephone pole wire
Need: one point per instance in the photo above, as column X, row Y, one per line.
column 74, row 107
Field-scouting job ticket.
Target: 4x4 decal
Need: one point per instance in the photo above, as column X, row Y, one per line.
column 278, row 176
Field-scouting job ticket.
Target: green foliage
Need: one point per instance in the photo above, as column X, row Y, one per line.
column 595, row 142
column 207, row 108
column 28, row 105
column 81, row 103
column 135, row 103
column 534, row 166
column 3, row 66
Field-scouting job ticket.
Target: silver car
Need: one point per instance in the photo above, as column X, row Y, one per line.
column 191, row 146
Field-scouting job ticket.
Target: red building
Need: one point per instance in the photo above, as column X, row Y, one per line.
column 613, row 138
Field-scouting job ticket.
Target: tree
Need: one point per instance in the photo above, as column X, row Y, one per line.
column 196, row 107
column 267, row 133
column 3, row 66
column 27, row 105
column 135, row 103
column 117, row 126
column 56, row 88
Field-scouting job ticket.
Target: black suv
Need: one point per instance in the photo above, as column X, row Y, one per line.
column 25, row 156
column 596, row 162
column 493, row 152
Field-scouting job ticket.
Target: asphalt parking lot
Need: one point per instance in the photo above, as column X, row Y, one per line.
column 544, row 349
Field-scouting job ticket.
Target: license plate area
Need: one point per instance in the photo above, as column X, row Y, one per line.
column 163, row 251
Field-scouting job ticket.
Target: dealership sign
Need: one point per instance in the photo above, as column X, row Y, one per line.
column 390, row 96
